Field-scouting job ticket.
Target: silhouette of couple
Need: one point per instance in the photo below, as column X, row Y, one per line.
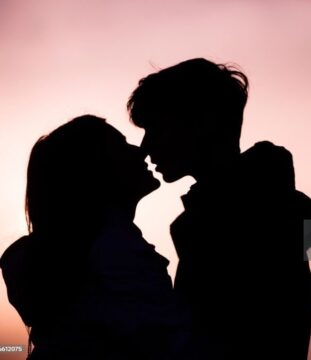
column 90, row 287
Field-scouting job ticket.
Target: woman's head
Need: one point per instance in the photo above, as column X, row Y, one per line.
column 79, row 173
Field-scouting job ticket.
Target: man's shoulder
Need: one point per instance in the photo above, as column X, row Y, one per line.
column 266, row 167
column 303, row 202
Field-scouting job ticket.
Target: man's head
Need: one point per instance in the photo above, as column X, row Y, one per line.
column 191, row 112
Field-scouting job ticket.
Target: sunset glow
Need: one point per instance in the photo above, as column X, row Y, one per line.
column 63, row 58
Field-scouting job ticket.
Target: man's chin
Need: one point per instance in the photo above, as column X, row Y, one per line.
column 170, row 178
column 156, row 184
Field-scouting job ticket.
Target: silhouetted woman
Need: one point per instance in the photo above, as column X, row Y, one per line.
column 84, row 280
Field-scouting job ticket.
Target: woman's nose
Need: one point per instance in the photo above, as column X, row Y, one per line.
column 139, row 151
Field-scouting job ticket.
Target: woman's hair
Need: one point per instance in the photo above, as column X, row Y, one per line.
column 70, row 189
column 68, row 184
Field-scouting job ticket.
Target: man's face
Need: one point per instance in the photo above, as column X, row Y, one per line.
column 168, row 142
column 128, row 167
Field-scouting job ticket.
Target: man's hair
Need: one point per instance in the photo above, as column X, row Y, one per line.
column 212, row 95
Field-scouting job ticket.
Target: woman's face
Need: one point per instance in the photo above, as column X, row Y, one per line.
column 130, row 170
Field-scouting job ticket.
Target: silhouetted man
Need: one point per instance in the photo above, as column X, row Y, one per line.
column 240, row 238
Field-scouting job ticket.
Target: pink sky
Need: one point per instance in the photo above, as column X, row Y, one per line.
column 63, row 58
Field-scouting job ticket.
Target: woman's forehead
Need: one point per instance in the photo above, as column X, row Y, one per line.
column 115, row 134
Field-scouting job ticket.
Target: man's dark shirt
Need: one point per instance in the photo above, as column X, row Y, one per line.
column 241, row 268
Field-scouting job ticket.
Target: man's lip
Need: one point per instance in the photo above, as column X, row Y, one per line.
column 153, row 161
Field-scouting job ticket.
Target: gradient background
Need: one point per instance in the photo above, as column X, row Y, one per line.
column 63, row 58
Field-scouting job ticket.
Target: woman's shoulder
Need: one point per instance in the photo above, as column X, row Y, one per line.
column 15, row 252
column 14, row 264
